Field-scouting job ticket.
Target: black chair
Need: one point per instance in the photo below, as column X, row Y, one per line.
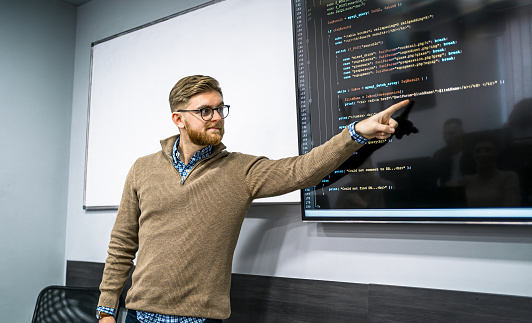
column 64, row 304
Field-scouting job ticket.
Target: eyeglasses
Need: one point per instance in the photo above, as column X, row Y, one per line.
column 208, row 113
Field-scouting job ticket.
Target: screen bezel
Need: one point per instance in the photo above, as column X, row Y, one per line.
column 377, row 216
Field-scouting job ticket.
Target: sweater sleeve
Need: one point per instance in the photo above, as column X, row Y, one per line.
column 267, row 178
column 123, row 245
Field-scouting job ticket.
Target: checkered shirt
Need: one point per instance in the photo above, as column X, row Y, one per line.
column 355, row 136
column 185, row 169
column 146, row 317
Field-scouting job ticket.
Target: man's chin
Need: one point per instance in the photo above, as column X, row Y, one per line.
column 215, row 136
column 216, row 140
column 209, row 137
column 211, row 140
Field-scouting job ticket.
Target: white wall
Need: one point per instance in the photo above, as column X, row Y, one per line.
column 37, row 40
column 274, row 241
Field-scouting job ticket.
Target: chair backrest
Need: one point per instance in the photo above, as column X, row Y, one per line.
column 66, row 304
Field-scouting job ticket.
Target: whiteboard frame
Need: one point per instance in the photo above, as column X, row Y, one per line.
column 291, row 198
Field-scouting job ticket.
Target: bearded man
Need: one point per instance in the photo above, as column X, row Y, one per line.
column 182, row 208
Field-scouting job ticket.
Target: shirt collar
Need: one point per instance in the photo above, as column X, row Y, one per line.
column 198, row 155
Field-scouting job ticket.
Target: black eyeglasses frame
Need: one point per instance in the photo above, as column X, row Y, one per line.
column 217, row 109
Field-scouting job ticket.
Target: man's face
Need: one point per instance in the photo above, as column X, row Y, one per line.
column 199, row 131
column 453, row 133
column 485, row 153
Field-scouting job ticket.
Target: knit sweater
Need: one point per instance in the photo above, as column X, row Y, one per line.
column 185, row 233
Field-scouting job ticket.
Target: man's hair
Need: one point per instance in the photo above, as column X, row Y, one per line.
column 189, row 86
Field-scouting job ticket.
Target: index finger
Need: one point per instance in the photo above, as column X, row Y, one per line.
column 391, row 110
column 406, row 111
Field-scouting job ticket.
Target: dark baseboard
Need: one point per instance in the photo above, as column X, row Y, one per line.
column 89, row 274
column 264, row 299
column 83, row 273
column 421, row 305
column 273, row 299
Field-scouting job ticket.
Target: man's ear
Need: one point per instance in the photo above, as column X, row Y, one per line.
column 177, row 118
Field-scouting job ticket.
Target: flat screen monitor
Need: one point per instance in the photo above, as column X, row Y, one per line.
column 466, row 64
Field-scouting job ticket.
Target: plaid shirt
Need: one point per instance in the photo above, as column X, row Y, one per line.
column 147, row 317
column 356, row 137
column 185, row 169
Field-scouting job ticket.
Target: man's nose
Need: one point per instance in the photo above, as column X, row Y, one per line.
column 216, row 115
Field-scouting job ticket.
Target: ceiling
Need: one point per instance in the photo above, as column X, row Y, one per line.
column 76, row 3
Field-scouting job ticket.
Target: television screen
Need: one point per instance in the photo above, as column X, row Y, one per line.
column 466, row 64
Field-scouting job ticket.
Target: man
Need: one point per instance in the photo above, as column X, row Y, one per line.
column 182, row 208
column 453, row 161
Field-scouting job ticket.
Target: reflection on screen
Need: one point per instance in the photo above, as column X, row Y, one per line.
column 468, row 67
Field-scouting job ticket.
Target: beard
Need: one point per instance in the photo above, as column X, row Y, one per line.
column 202, row 138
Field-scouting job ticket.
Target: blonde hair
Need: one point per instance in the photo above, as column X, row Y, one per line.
column 189, row 86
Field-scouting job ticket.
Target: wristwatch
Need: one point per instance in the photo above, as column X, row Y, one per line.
column 101, row 315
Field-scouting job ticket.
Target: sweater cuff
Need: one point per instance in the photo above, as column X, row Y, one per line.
column 355, row 136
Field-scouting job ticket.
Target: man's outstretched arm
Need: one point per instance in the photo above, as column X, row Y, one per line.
column 266, row 177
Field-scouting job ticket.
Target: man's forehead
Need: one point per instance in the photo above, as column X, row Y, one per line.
column 211, row 98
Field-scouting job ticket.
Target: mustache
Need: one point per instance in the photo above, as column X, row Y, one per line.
column 217, row 125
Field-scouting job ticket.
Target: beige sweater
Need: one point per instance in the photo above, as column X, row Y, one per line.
column 185, row 234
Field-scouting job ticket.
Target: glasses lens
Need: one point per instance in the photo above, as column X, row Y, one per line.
column 206, row 113
column 224, row 111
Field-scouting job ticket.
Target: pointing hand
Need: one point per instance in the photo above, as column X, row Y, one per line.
column 380, row 125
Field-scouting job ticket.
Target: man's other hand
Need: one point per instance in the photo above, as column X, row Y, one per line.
column 107, row 319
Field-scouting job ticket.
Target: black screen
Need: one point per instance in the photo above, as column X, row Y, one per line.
column 467, row 65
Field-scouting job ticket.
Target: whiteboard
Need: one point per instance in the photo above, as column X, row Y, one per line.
column 246, row 45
